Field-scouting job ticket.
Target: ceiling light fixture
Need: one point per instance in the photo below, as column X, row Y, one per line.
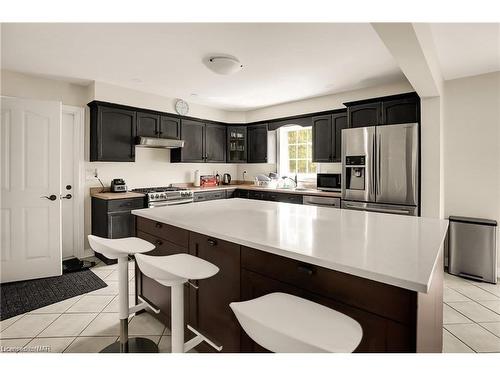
column 223, row 64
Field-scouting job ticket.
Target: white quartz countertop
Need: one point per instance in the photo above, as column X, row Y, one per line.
column 392, row 249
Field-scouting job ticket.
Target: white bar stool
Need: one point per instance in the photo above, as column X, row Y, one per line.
column 283, row 323
column 120, row 249
column 174, row 271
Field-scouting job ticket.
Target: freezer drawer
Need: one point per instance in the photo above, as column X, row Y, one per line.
column 472, row 248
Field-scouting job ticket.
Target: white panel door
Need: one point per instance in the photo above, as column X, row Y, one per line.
column 31, row 169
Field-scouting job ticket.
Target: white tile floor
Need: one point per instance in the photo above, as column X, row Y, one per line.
column 88, row 323
column 471, row 316
column 83, row 324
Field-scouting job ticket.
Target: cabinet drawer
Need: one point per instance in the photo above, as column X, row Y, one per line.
column 167, row 232
column 163, row 247
column 125, row 204
column 252, row 194
column 385, row 300
column 290, row 198
column 209, row 195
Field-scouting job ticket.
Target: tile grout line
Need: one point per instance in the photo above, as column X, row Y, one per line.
column 465, row 316
column 458, row 338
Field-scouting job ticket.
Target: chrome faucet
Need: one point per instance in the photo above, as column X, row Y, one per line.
column 294, row 180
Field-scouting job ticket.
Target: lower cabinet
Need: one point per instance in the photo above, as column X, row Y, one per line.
column 113, row 219
column 272, row 196
column 209, row 304
column 209, row 195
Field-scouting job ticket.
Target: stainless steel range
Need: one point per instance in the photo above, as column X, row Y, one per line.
column 166, row 195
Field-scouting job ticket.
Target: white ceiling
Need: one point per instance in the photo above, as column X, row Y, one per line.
column 467, row 49
column 282, row 62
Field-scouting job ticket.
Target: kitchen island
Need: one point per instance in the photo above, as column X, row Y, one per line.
column 383, row 270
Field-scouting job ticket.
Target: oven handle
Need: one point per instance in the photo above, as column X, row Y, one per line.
column 170, row 203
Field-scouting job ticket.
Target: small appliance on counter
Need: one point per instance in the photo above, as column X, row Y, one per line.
column 328, row 182
column 196, row 182
column 208, row 181
column 226, row 179
column 118, row 185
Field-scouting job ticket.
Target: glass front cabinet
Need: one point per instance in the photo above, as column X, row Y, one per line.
column 236, row 144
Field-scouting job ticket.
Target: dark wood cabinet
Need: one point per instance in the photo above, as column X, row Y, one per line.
column 339, row 122
column 202, row 143
column 113, row 218
column 148, row 125
column 271, row 196
column 201, row 196
column 215, row 143
column 327, row 136
column 367, row 114
column 322, row 139
column 257, row 143
column 193, row 134
column 170, row 127
column 236, row 144
column 209, row 304
column 112, row 133
column 400, row 111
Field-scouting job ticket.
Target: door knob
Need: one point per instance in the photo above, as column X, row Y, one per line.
column 67, row 196
column 50, row 198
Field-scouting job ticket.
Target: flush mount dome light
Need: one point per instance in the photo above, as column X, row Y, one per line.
column 223, row 64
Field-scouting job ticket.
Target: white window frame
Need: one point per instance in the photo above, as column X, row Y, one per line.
column 282, row 154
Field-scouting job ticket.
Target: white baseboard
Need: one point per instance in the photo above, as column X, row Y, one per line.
column 88, row 253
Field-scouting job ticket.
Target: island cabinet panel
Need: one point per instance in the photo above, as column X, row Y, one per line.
column 379, row 334
column 209, row 304
column 386, row 313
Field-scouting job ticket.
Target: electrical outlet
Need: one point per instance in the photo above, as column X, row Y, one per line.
column 91, row 173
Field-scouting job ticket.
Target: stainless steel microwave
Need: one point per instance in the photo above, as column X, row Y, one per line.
column 328, row 181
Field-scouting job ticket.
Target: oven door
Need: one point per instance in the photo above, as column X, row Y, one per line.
column 170, row 203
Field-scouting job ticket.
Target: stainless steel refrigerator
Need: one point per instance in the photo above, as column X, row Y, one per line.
column 380, row 169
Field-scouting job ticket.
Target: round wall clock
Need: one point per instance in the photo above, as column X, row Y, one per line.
column 181, row 107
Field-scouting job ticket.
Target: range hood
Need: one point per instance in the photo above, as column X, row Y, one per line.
column 151, row 142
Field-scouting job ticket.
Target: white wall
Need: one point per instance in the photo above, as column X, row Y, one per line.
column 471, row 147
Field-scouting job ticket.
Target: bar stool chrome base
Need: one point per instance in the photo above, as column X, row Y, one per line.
column 134, row 345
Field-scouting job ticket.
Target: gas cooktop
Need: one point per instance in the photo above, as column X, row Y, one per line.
column 166, row 195
column 158, row 189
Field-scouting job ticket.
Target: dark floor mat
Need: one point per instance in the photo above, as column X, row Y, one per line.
column 20, row 297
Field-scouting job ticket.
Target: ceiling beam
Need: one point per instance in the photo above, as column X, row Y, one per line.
column 412, row 46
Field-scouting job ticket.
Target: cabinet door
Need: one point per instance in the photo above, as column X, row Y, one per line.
column 364, row 115
column 400, row 111
column 193, row 134
column 148, row 124
column 121, row 224
column 215, row 143
column 339, row 122
column 322, row 138
column 170, row 127
column 209, row 304
column 114, row 130
column 236, row 144
column 257, row 143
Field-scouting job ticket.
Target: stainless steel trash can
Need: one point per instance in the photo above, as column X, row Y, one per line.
column 473, row 248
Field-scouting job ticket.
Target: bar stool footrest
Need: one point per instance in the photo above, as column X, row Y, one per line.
column 198, row 339
column 142, row 306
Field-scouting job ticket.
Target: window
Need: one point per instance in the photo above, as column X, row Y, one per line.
column 295, row 155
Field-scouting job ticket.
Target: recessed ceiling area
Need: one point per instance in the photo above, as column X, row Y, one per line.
column 467, row 49
column 282, row 62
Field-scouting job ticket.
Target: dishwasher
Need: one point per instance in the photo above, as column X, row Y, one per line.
column 312, row 200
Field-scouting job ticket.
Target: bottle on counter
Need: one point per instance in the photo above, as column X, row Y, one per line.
column 217, row 178
column 196, row 181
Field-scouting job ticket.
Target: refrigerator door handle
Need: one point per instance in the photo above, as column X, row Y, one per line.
column 378, row 174
column 373, row 181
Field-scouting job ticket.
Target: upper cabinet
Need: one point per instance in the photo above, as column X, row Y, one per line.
column 203, row 142
column 157, row 126
column 396, row 109
column 193, row 134
column 327, row 136
column 361, row 115
column 257, row 143
column 237, row 144
column 112, row 133
column 215, row 143
column 401, row 111
column 170, row 127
